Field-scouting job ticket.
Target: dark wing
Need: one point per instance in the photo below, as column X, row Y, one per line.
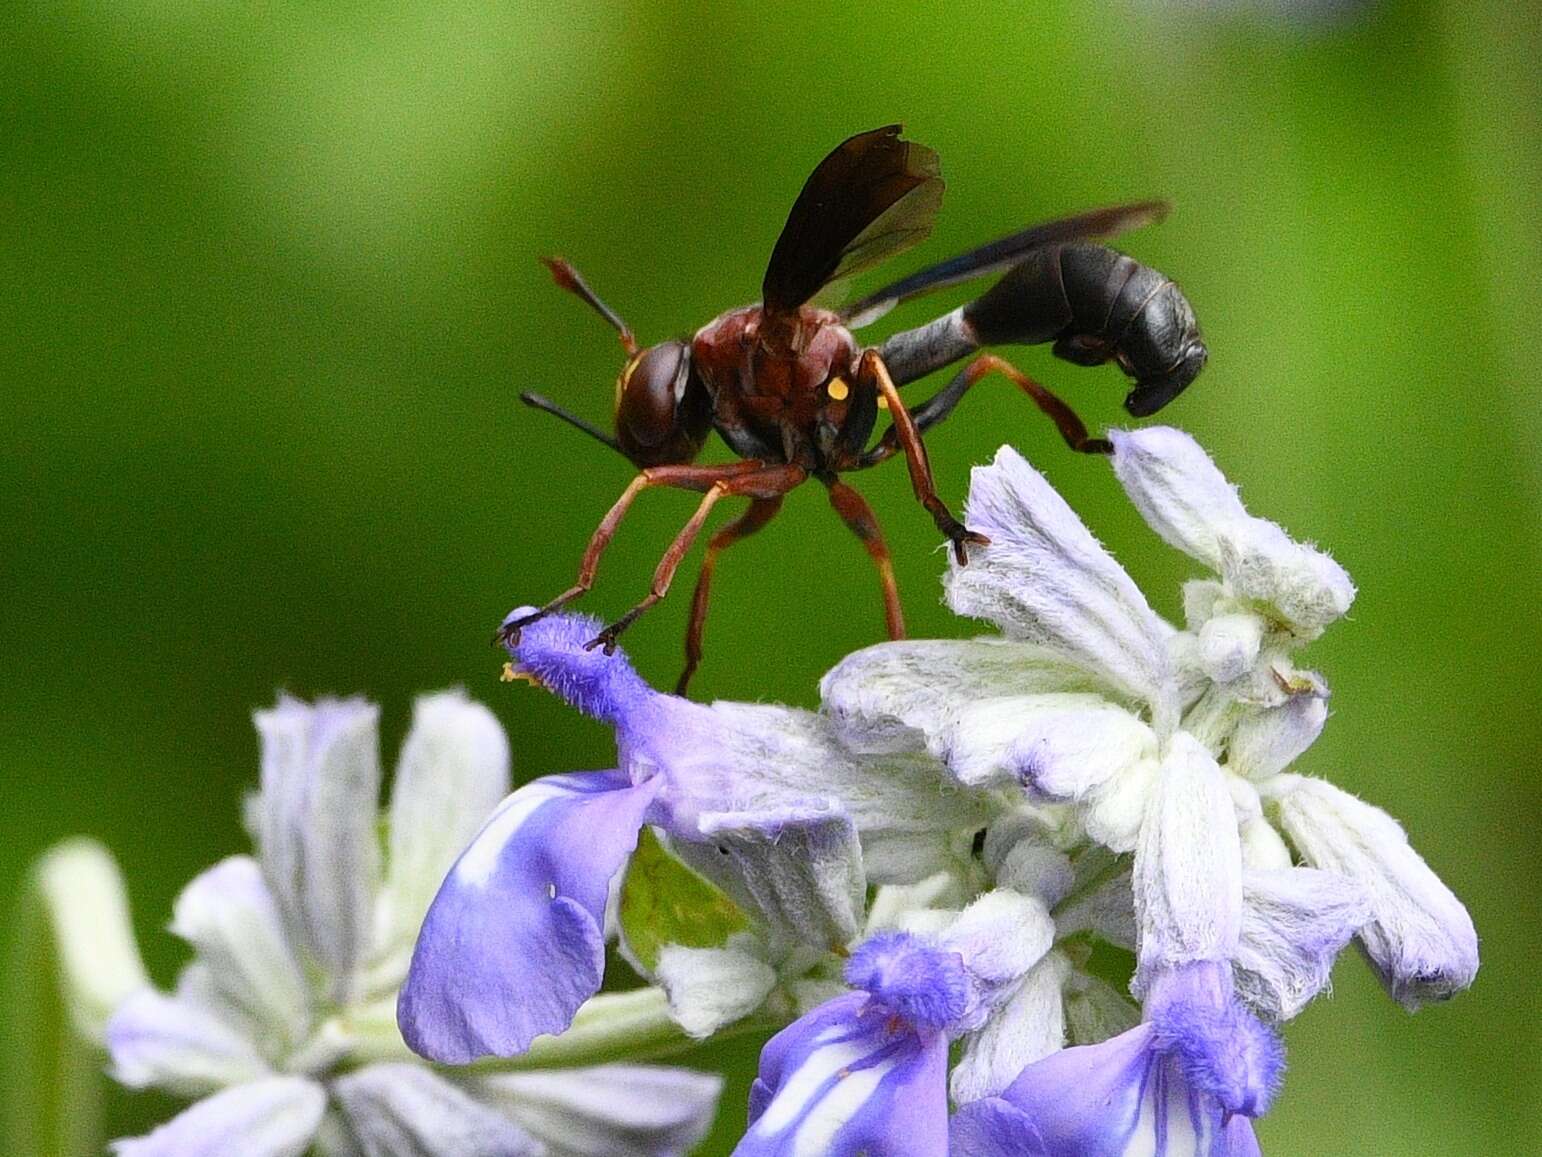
column 1003, row 254
column 873, row 196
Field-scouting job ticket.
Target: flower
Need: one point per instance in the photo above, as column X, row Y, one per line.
column 1184, row 1082
column 867, row 1071
column 761, row 800
column 281, row 1024
column 1090, row 703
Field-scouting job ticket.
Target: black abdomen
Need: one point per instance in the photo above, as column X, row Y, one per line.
column 1096, row 304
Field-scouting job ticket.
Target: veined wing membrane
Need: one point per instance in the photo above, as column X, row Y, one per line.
column 1003, row 254
column 870, row 198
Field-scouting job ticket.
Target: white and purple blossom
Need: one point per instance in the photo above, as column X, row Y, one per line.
column 762, row 800
column 1184, row 1083
column 1090, row 702
column 281, row 1025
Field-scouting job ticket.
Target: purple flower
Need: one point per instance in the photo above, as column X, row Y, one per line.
column 1183, row 1082
column 867, row 1071
column 760, row 799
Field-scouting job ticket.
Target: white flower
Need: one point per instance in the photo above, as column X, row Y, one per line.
column 1098, row 711
column 283, row 1023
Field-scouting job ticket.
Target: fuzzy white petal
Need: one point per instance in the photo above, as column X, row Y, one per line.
column 82, row 895
column 396, row 1109
column 453, row 770
column 1188, row 866
column 318, row 812
column 1228, row 646
column 1188, row 501
column 1266, row 741
column 1027, row 1028
column 894, row 696
column 229, row 914
column 178, row 1044
column 1057, row 746
column 275, row 1117
column 712, row 987
column 609, row 1111
column 1420, row 938
column 1262, row 847
column 1114, row 812
column 1177, row 489
column 1045, row 579
column 799, row 870
column 761, row 757
column 1000, row 936
column 1294, row 922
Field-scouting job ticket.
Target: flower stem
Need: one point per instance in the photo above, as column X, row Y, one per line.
column 614, row 1026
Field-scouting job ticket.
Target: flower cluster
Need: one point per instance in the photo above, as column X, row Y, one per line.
column 931, row 881
column 283, row 1024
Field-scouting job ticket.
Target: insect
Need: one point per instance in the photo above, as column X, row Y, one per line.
column 787, row 386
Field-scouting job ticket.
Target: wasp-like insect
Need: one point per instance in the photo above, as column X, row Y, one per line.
column 796, row 397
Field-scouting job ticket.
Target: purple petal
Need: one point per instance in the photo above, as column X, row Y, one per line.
column 1223, row 1050
column 927, row 986
column 1177, row 1085
column 276, row 1117
column 552, row 651
column 513, row 942
column 993, row 1128
column 848, row 1078
column 1106, row 1100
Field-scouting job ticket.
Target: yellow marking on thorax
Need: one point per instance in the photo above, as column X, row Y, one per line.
column 838, row 390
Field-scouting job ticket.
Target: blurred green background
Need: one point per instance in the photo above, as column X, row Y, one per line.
column 268, row 289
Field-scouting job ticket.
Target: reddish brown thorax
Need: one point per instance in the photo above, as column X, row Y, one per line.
column 777, row 369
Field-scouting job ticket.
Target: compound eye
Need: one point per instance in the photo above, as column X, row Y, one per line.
column 651, row 387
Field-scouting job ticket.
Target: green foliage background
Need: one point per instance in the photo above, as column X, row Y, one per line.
column 268, row 289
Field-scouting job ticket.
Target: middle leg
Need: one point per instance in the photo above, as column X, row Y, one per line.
column 770, row 482
column 858, row 515
column 761, row 511
column 904, row 429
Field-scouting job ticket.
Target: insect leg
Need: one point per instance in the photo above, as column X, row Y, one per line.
column 681, row 477
column 940, row 405
column 766, row 482
column 761, row 511
column 872, row 368
column 858, row 515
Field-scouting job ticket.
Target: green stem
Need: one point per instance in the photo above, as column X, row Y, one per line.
column 614, row 1026
column 74, row 960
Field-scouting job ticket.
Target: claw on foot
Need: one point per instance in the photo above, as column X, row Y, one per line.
column 508, row 634
column 961, row 537
column 605, row 639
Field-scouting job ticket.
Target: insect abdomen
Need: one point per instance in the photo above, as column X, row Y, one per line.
column 1095, row 304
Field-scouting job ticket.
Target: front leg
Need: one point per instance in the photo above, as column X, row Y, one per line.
column 765, row 482
column 681, row 477
column 871, row 368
